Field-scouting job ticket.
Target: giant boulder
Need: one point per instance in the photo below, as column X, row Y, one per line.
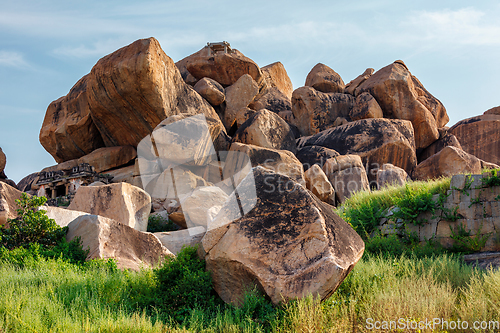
column 106, row 238
column 377, row 141
column 402, row 96
column 480, row 136
column 290, row 244
column 277, row 77
column 122, row 202
column 315, row 111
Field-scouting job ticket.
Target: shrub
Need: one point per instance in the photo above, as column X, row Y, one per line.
column 157, row 223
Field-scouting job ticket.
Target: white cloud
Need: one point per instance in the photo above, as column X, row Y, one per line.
column 12, row 59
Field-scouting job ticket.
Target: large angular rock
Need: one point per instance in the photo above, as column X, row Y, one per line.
column 389, row 174
column 310, row 155
column 8, row 206
column 402, row 96
column 365, row 107
column 447, row 140
column 376, row 141
column 106, row 238
column 290, row 244
column 277, row 77
column 480, row 136
column 350, row 88
column 447, row 162
column 325, row 79
column 68, row 130
column 211, row 90
column 315, row 111
column 238, row 96
column 273, row 100
column 174, row 241
column 62, row 216
column 121, row 202
column 202, row 205
column 347, row 175
column 317, row 182
column 266, row 129
column 225, row 68
column 280, row 161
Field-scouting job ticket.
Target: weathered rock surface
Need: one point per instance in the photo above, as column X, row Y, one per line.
column 202, row 205
column 273, row 100
column 211, row 90
column 315, row 111
column 62, row 216
column 480, row 136
column 3, row 161
column 277, row 77
column 238, row 96
column 280, row 161
column 24, row 184
column 325, row 79
column 266, row 129
column 402, row 96
column 495, row 110
column 290, row 244
column 447, row 140
column 317, row 182
column 121, row 100
column 106, row 238
column 389, row 174
column 347, row 175
column 365, row 107
column 173, row 183
column 243, row 115
column 121, row 202
column 68, row 130
column 350, row 88
column 310, row 155
column 174, row 241
column 8, row 206
column 376, row 141
column 447, row 162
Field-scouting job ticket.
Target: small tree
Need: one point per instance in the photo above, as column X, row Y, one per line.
column 31, row 226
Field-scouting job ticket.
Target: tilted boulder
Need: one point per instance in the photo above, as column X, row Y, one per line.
column 123, row 98
column 174, row 241
column 402, row 96
column 8, row 206
column 106, row 238
column 277, row 77
column 317, row 182
column 315, row 111
column 325, row 79
column 366, row 107
column 266, row 129
column 480, row 136
column 279, row 161
column 350, row 88
column 447, row 162
column 211, row 90
column 389, row 174
column 310, row 155
column 377, row 141
column 122, row 202
column 447, row 140
column 347, row 175
column 273, row 100
column 290, row 244
column 202, row 205
column 62, row 216
column 238, row 96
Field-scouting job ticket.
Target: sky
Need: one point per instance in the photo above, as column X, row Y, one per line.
column 453, row 47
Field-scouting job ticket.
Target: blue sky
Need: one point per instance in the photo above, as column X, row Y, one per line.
column 453, row 47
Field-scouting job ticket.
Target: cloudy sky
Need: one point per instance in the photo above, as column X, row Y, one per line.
column 453, row 47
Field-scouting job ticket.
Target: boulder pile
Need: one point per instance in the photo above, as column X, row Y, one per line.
column 245, row 165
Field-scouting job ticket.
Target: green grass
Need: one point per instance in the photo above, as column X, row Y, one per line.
column 48, row 295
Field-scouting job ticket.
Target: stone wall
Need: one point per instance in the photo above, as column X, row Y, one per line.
column 469, row 204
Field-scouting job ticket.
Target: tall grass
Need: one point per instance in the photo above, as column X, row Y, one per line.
column 54, row 296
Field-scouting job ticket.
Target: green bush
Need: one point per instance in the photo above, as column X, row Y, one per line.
column 156, row 223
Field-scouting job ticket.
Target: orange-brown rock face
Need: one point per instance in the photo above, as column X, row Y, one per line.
column 480, row 136
column 402, row 96
column 277, row 77
column 325, row 79
column 124, row 97
column 68, row 131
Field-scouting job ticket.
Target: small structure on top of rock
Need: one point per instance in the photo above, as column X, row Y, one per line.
column 218, row 47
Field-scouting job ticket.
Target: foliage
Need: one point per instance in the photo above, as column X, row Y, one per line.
column 393, row 246
column 157, row 223
column 465, row 242
column 492, row 180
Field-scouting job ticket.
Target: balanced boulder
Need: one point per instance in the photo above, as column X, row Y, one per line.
column 317, row 182
column 277, row 77
column 290, row 244
column 211, row 90
column 238, row 96
column 121, row 202
column 325, row 79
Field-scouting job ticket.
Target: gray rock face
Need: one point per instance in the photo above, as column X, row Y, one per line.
column 290, row 244
column 389, row 174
